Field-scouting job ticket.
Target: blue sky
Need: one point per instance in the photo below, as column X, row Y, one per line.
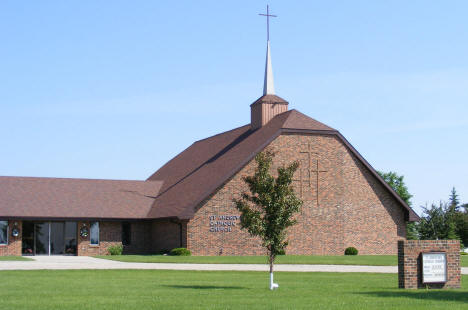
column 114, row 89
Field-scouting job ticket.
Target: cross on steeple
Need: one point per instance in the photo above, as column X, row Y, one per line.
column 268, row 15
column 268, row 85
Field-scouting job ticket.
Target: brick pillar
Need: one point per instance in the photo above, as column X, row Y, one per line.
column 410, row 262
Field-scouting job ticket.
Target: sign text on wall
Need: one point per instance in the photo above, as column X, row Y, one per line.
column 223, row 223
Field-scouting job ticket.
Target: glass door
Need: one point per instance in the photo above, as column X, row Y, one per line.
column 49, row 238
column 70, row 238
column 41, row 238
column 57, row 238
column 28, row 238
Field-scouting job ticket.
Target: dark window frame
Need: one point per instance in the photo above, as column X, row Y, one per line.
column 6, row 234
column 126, row 233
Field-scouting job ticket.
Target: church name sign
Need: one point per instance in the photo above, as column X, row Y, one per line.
column 223, row 223
column 434, row 267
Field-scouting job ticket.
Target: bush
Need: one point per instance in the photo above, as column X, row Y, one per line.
column 180, row 252
column 351, row 251
column 115, row 249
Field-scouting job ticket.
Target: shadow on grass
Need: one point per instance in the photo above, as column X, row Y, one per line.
column 439, row 295
column 206, row 287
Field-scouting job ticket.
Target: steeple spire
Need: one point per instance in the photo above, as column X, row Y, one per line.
column 269, row 105
column 268, row 85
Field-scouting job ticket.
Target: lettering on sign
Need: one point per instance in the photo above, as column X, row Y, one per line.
column 223, row 223
column 434, row 267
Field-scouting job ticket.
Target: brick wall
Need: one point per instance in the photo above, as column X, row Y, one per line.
column 410, row 264
column 109, row 234
column 13, row 248
column 146, row 237
column 140, row 233
column 166, row 235
column 347, row 207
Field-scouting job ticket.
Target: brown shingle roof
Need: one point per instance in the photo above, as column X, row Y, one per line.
column 199, row 170
column 172, row 191
column 24, row 197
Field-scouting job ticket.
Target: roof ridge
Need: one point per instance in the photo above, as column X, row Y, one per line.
column 221, row 133
column 317, row 123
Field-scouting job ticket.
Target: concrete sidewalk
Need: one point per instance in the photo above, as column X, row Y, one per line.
column 85, row 262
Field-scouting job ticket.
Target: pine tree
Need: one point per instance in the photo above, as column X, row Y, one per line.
column 453, row 200
column 268, row 210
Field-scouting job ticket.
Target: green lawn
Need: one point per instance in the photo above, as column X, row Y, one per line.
column 164, row 289
column 369, row 260
column 14, row 258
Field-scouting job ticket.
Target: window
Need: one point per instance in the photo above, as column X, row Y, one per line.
column 3, row 232
column 126, row 233
column 94, row 233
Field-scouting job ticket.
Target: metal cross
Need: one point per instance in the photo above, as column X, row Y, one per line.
column 268, row 15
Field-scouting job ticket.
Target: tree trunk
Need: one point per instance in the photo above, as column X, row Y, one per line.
column 272, row 284
column 271, row 263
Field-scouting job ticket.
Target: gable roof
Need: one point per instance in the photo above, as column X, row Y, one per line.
column 198, row 171
column 171, row 192
column 26, row 197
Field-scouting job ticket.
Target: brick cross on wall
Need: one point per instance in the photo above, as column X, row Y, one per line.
column 312, row 167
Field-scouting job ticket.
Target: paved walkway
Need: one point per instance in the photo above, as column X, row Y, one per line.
column 84, row 262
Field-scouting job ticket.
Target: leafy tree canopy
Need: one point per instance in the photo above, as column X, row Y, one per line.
column 269, row 209
column 397, row 183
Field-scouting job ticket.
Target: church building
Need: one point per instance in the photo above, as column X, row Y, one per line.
column 188, row 202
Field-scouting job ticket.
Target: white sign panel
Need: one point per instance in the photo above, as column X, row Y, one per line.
column 434, row 267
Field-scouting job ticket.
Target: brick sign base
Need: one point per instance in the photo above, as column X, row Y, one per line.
column 410, row 262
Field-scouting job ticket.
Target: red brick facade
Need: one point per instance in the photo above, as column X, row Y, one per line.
column 13, row 248
column 344, row 205
column 167, row 235
column 347, row 207
column 109, row 234
column 147, row 237
column 410, row 265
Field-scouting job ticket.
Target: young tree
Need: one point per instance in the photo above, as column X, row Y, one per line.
column 268, row 210
column 397, row 183
column 433, row 223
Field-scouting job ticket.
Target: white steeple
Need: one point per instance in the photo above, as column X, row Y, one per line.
column 268, row 85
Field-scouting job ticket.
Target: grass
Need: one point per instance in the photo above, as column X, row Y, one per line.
column 14, row 258
column 368, row 260
column 164, row 289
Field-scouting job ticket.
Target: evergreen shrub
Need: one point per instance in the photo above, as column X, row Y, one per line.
column 351, row 251
column 180, row 252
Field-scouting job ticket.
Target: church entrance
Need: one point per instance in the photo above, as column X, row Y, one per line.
column 49, row 238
